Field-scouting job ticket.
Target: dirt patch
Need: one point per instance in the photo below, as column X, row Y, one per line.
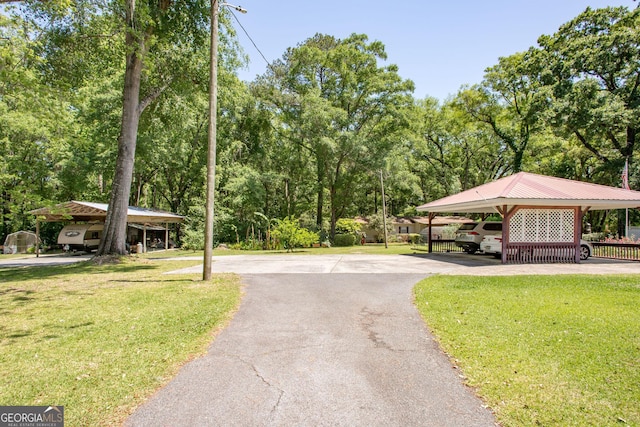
column 107, row 259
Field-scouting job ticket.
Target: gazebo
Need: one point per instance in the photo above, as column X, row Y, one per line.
column 77, row 211
column 541, row 215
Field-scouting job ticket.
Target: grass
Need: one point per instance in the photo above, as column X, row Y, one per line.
column 543, row 350
column 100, row 339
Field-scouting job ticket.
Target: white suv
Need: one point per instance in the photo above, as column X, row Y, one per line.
column 492, row 244
column 469, row 236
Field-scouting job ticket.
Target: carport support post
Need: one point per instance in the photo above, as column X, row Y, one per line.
column 144, row 238
column 37, row 238
column 432, row 215
column 166, row 236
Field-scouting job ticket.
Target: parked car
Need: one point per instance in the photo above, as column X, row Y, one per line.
column 586, row 250
column 492, row 244
column 469, row 236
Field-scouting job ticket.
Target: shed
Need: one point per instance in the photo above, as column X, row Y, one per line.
column 541, row 215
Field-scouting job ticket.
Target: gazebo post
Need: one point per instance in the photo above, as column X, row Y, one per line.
column 581, row 214
column 505, row 233
column 506, row 214
column 166, row 236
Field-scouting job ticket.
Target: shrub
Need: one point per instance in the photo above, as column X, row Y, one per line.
column 376, row 223
column 344, row 240
column 291, row 235
column 594, row 237
column 193, row 239
column 347, row 226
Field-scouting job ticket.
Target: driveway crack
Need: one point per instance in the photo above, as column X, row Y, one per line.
column 367, row 322
column 264, row 380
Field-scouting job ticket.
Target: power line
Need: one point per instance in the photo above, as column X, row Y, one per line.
column 248, row 36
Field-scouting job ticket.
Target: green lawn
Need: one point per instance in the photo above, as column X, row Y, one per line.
column 543, row 350
column 100, row 339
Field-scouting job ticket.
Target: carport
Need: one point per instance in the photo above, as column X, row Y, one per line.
column 77, row 211
column 541, row 215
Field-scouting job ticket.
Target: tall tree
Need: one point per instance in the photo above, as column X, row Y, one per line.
column 160, row 39
column 149, row 25
column 591, row 68
column 341, row 107
column 507, row 102
column 36, row 128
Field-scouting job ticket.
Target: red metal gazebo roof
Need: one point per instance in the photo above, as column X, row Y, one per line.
column 529, row 189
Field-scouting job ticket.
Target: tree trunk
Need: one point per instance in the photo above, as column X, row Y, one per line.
column 115, row 228
column 334, row 219
column 320, row 184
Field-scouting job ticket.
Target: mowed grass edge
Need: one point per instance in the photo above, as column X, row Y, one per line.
column 542, row 350
column 100, row 339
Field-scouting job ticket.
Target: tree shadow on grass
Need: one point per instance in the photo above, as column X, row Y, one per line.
column 17, row 274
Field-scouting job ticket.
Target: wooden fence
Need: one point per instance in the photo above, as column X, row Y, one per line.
column 626, row 251
column 623, row 251
column 540, row 253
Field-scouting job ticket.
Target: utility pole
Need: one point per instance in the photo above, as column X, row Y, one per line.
column 384, row 212
column 211, row 152
column 213, row 124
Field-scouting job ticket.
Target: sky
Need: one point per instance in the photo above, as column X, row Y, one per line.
column 438, row 44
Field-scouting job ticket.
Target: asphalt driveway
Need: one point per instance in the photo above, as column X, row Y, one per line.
column 332, row 340
column 335, row 349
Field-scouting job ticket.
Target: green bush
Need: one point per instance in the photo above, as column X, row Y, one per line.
column 594, row 237
column 344, row 240
column 347, row 226
column 414, row 238
column 289, row 233
column 193, row 239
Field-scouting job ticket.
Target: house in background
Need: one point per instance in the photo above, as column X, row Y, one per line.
column 403, row 227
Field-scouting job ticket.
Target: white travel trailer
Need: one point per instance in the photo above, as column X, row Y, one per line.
column 81, row 237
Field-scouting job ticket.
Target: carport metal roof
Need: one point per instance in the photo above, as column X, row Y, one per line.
column 527, row 189
column 88, row 211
